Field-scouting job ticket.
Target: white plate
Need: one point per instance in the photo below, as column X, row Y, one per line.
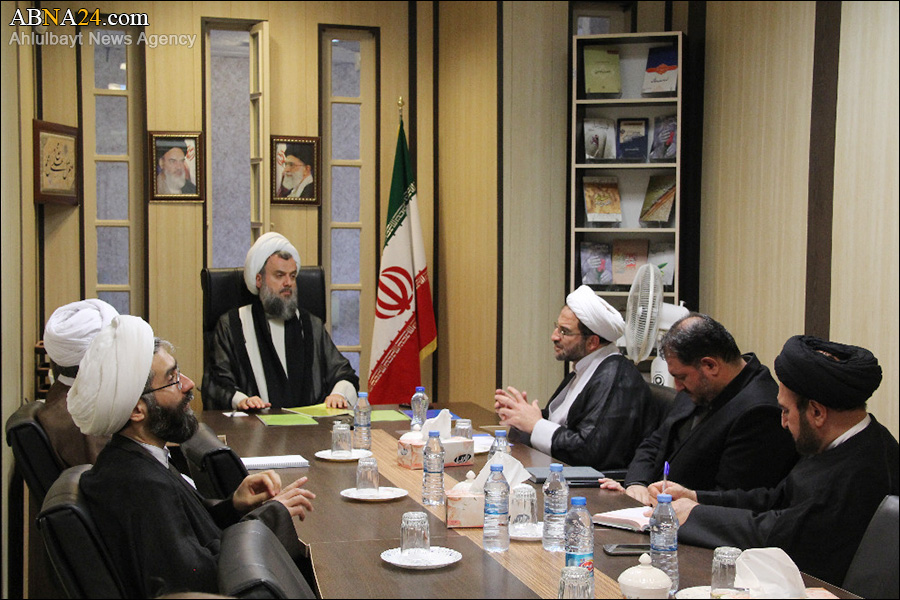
column 355, row 454
column 383, row 493
column 532, row 532
column 436, row 558
column 700, row 591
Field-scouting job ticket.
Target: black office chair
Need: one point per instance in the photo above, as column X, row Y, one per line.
column 224, row 289
column 873, row 572
column 215, row 468
column 254, row 564
column 663, row 396
column 34, row 455
column 77, row 553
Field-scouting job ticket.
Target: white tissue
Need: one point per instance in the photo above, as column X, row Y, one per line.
column 513, row 471
column 769, row 573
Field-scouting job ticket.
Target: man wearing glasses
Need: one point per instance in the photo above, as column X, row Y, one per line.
column 297, row 180
column 164, row 536
column 602, row 410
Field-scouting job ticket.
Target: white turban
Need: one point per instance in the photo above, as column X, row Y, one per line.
column 112, row 376
column 71, row 328
column 596, row 313
column 267, row 245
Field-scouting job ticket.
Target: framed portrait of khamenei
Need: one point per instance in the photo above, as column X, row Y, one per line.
column 176, row 165
column 56, row 163
column 296, row 162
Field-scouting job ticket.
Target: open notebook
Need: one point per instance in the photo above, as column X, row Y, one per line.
column 625, row 518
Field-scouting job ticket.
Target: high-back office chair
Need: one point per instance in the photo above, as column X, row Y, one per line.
column 77, row 552
column 215, row 468
column 254, row 564
column 224, row 289
column 661, row 396
column 873, row 572
column 32, row 450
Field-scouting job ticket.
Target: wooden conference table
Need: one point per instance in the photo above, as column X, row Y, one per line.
column 345, row 538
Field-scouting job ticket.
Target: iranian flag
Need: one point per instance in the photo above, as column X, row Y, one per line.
column 404, row 332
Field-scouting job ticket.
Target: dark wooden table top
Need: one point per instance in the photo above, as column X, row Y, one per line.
column 345, row 538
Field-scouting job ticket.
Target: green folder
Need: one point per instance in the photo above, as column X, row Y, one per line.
column 294, row 419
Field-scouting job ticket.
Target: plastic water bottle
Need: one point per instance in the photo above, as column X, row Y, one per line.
column 500, row 443
column 496, row 512
column 419, row 405
column 664, row 539
column 433, row 475
column 362, row 422
column 580, row 536
column 556, row 504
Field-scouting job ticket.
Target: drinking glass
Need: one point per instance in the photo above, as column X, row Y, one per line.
column 575, row 582
column 723, row 571
column 414, row 536
column 367, row 474
column 340, row 441
column 523, row 507
column 463, row 428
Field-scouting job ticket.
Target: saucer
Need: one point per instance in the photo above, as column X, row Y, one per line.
column 355, row 454
column 435, row 558
column 379, row 495
column 530, row 532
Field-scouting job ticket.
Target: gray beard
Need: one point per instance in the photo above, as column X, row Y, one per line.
column 174, row 183
column 276, row 306
column 290, row 180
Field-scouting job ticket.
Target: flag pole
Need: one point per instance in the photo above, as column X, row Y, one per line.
column 400, row 108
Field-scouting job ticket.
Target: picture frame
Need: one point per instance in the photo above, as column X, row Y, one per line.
column 296, row 164
column 175, row 165
column 57, row 163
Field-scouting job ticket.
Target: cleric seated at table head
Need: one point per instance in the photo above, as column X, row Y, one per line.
column 849, row 463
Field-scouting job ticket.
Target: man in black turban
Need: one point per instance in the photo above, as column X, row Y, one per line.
column 820, row 512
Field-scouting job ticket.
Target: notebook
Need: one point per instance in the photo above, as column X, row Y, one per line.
column 575, row 476
column 288, row 461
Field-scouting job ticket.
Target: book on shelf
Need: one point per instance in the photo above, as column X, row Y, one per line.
column 601, row 199
column 625, row 518
column 627, row 257
column 631, row 139
column 661, row 75
column 659, row 199
column 662, row 254
column 596, row 263
column 599, row 139
column 665, row 144
column 601, row 71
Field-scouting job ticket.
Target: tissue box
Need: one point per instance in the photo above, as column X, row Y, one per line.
column 465, row 509
column 458, row 452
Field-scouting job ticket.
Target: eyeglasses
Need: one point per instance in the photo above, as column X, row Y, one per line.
column 565, row 332
column 291, row 165
column 177, row 382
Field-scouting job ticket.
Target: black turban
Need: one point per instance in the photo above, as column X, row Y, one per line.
column 844, row 380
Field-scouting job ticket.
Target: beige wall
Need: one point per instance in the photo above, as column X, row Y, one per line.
column 467, row 238
column 864, row 284
column 756, row 170
column 534, row 191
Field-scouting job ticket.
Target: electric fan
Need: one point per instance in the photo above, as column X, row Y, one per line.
column 647, row 319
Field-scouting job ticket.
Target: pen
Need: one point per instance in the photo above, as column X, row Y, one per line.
column 665, row 476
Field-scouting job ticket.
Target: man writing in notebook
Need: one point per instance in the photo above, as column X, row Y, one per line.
column 603, row 409
column 723, row 430
column 164, row 536
column 820, row 512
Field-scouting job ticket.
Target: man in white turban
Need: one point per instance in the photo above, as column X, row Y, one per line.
column 272, row 352
column 164, row 535
column 603, row 409
column 68, row 333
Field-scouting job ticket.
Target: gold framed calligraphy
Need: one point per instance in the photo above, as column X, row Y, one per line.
column 57, row 164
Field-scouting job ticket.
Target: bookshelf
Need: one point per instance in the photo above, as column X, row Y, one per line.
column 632, row 176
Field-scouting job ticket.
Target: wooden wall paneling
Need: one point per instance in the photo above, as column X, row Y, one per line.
column 423, row 147
column 62, row 226
column 467, row 237
column 534, row 198
column 755, row 172
column 651, row 16
column 865, row 282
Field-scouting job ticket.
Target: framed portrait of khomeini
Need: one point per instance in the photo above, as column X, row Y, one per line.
column 176, row 166
column 296, row 162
